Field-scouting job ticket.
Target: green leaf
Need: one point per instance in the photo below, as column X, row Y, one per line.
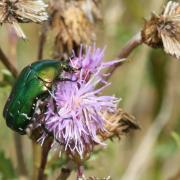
column 6, row 168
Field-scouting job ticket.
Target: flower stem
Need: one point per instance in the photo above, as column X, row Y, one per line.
column 8, row 64
column 44, row 155
column 134, row 42
column 66, row 171
column 42, row 40
column 80, row 172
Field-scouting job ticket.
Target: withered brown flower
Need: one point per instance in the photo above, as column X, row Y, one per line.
column 73, row 24
column 22, row 11
column 118, row 124
column 164, row 30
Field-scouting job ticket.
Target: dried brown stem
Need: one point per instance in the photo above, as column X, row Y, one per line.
column 66, row 171
column 126, row 51
column 42, row 40
column 8, row 64
column 44, row 155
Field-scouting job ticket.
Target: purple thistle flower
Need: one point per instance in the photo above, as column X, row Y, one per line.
column 74, row 113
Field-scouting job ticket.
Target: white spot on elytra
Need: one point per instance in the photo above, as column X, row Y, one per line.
column 26, row 116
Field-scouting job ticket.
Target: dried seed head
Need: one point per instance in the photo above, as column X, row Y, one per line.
column 22, row 11
column 119, row 123
column 73, row 23
column 164, row 30
column 150, row 33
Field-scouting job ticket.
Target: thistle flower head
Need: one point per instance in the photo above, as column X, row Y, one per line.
column 164, row 30
column 75, row 108
column 22, row 11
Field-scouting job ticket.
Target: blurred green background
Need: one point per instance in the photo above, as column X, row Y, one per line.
column 148, row 85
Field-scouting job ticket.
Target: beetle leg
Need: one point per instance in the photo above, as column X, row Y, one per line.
column 69, row 68
column 78, row 69
column 67, row 79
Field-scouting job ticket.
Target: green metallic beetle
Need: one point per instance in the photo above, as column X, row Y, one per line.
column 32, row 84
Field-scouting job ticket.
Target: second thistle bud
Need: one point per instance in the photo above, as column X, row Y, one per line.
column 150, row 33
